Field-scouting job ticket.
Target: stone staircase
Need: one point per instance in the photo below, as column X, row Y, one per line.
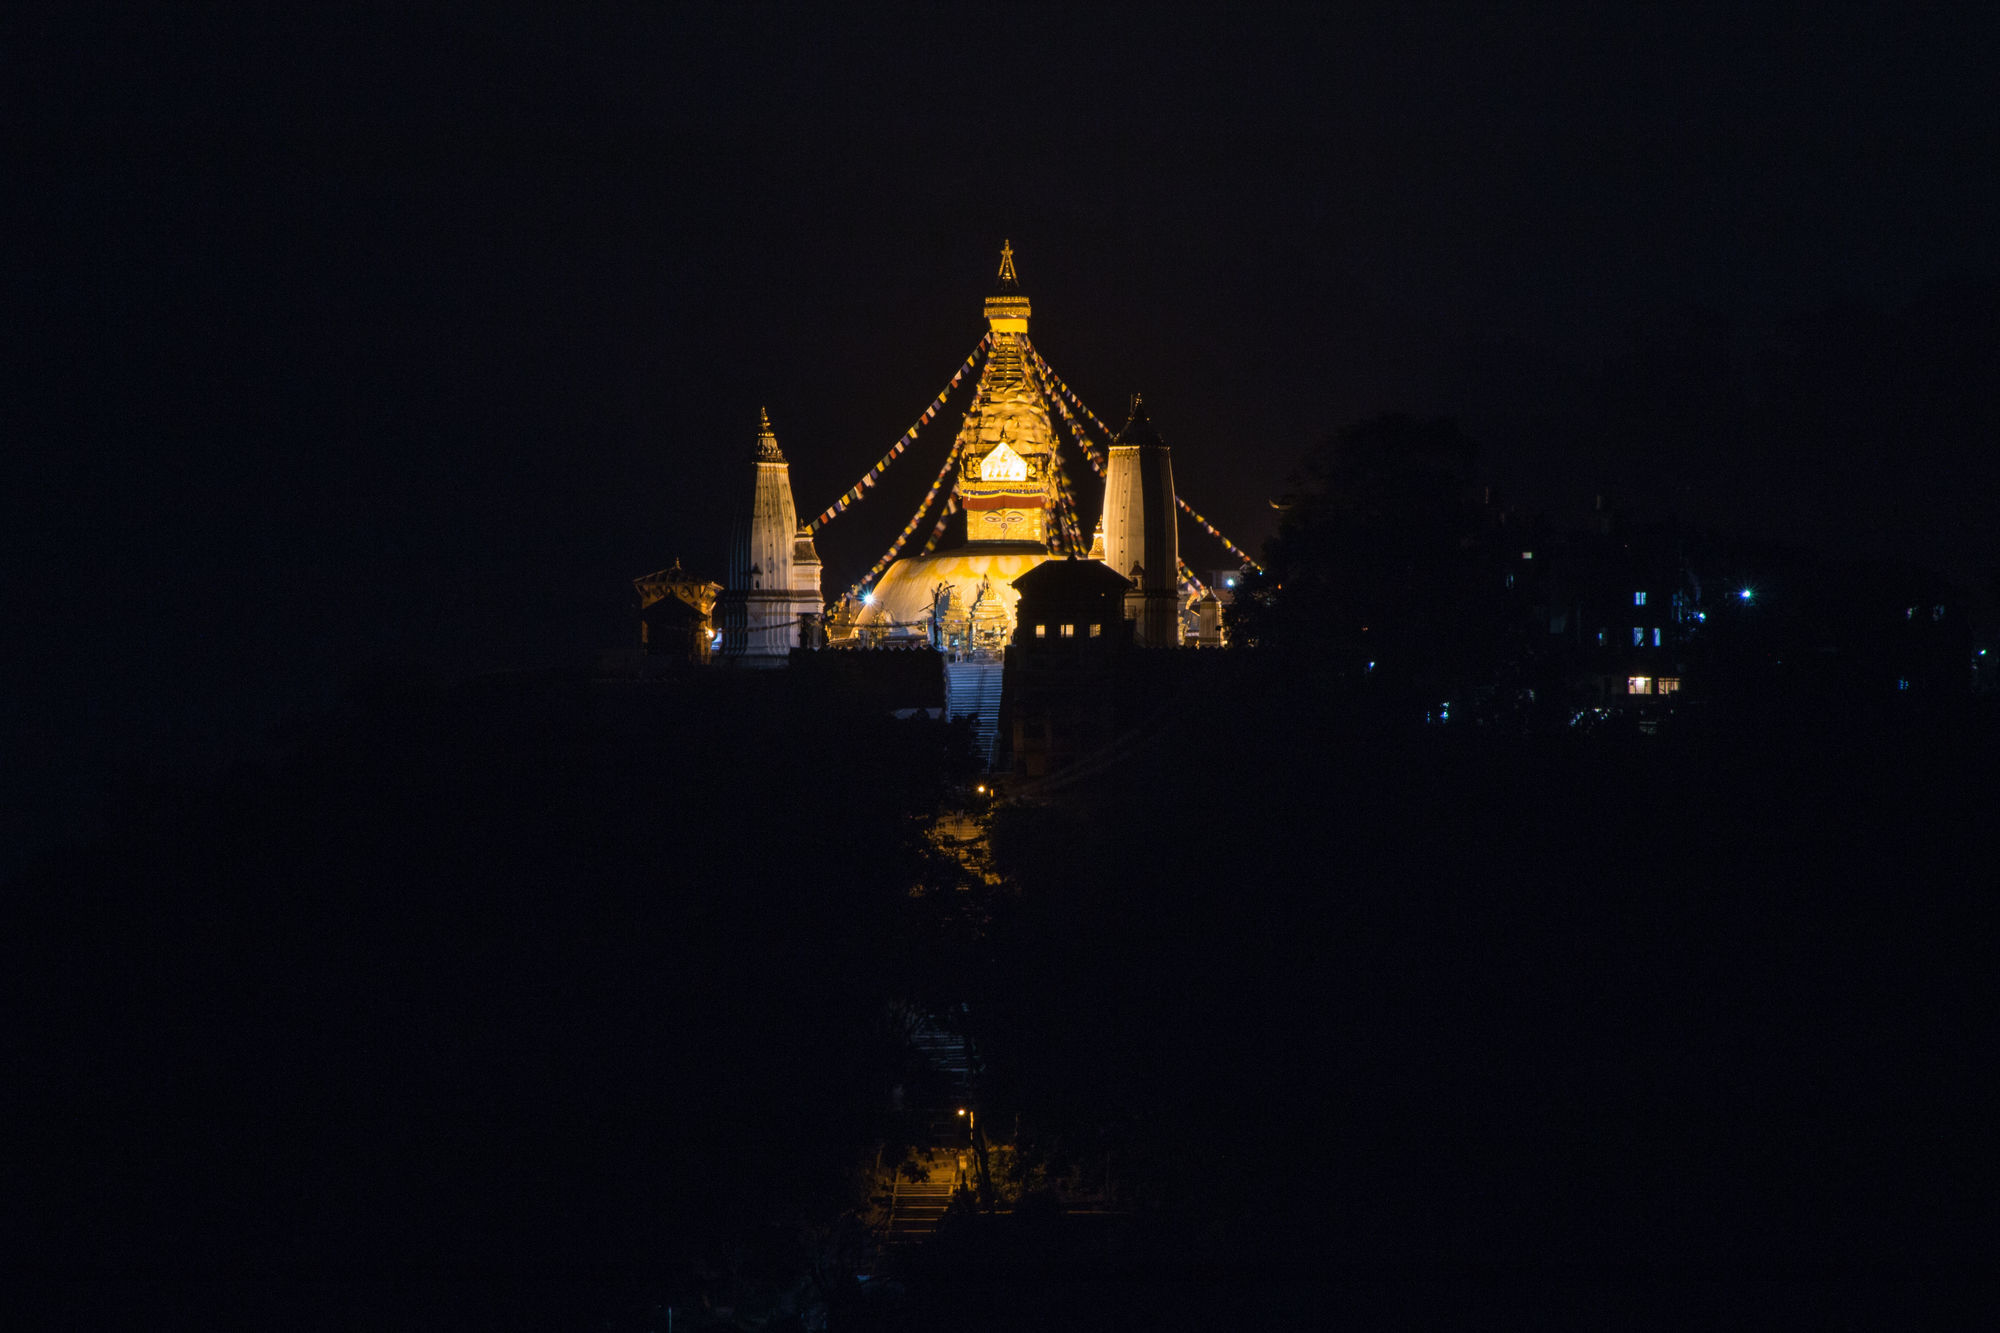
column 944, row 1051
column 916, row 1209
column 911, row 1210
column 973, row 688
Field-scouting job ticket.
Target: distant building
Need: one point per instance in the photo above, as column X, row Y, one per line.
column 1070, row 638
column 964, row 601
column 771, row 599
column 676, row 613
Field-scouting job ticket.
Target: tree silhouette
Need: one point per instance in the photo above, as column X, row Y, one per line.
column 1383, row 568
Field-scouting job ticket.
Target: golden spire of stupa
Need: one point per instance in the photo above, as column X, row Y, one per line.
column 1007, row 309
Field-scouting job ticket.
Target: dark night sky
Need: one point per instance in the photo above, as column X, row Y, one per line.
column 341, row 338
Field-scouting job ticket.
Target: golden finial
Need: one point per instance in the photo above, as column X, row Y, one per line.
column 767, row 440
column 1007, row 309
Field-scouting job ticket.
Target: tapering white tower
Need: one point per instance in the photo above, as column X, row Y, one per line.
column 773, row 576
column 1141, row 530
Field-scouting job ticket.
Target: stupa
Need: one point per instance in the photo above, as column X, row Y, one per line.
column 964, row 598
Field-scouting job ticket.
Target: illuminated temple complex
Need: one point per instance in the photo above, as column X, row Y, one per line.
column 1007, row 462
column 1004, row 485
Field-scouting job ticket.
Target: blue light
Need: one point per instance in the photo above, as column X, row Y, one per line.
column 868, row 598
column 1745, row 594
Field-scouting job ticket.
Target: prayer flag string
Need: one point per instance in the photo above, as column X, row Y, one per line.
column 867, row 482
column 1049, row 376
column 1083, row 442
column 950, row 508
column 1066, row 512
column 916, row 519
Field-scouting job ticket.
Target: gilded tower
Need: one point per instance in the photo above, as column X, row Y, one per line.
column 773, row 578
column 1006, row 445
column 964, row 597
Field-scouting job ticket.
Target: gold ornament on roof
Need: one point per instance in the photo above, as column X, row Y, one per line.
column 1007, row 310
column 767, row 440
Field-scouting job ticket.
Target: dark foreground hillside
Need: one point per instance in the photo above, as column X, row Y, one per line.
column 516, row 993
column 1447, row 1012
column 532, row 1003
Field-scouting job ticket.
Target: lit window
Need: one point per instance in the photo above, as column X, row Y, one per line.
column 1638, row 599
column 1095, row 630
column 1600, row 638
column 1656, row 636
column 1041, row 631
column 1638, row 685
column 1669, row 684
column 1902, row 684
column 1638, row 637
column 1069, row 631
column 1527, row 555
column 1510, row 580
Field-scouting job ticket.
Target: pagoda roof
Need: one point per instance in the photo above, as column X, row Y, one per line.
column 1060, row 580
column 668, row 610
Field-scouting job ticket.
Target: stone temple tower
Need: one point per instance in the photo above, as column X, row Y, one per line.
column 773, row 576
column 1141, row 531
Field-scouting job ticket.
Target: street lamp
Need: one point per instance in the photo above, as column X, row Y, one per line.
column 978, row 1146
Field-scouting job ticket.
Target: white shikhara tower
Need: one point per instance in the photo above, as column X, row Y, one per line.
column 1141, row 530
column 774, row 572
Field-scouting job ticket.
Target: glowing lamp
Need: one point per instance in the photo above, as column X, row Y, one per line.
column 1745, row 594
